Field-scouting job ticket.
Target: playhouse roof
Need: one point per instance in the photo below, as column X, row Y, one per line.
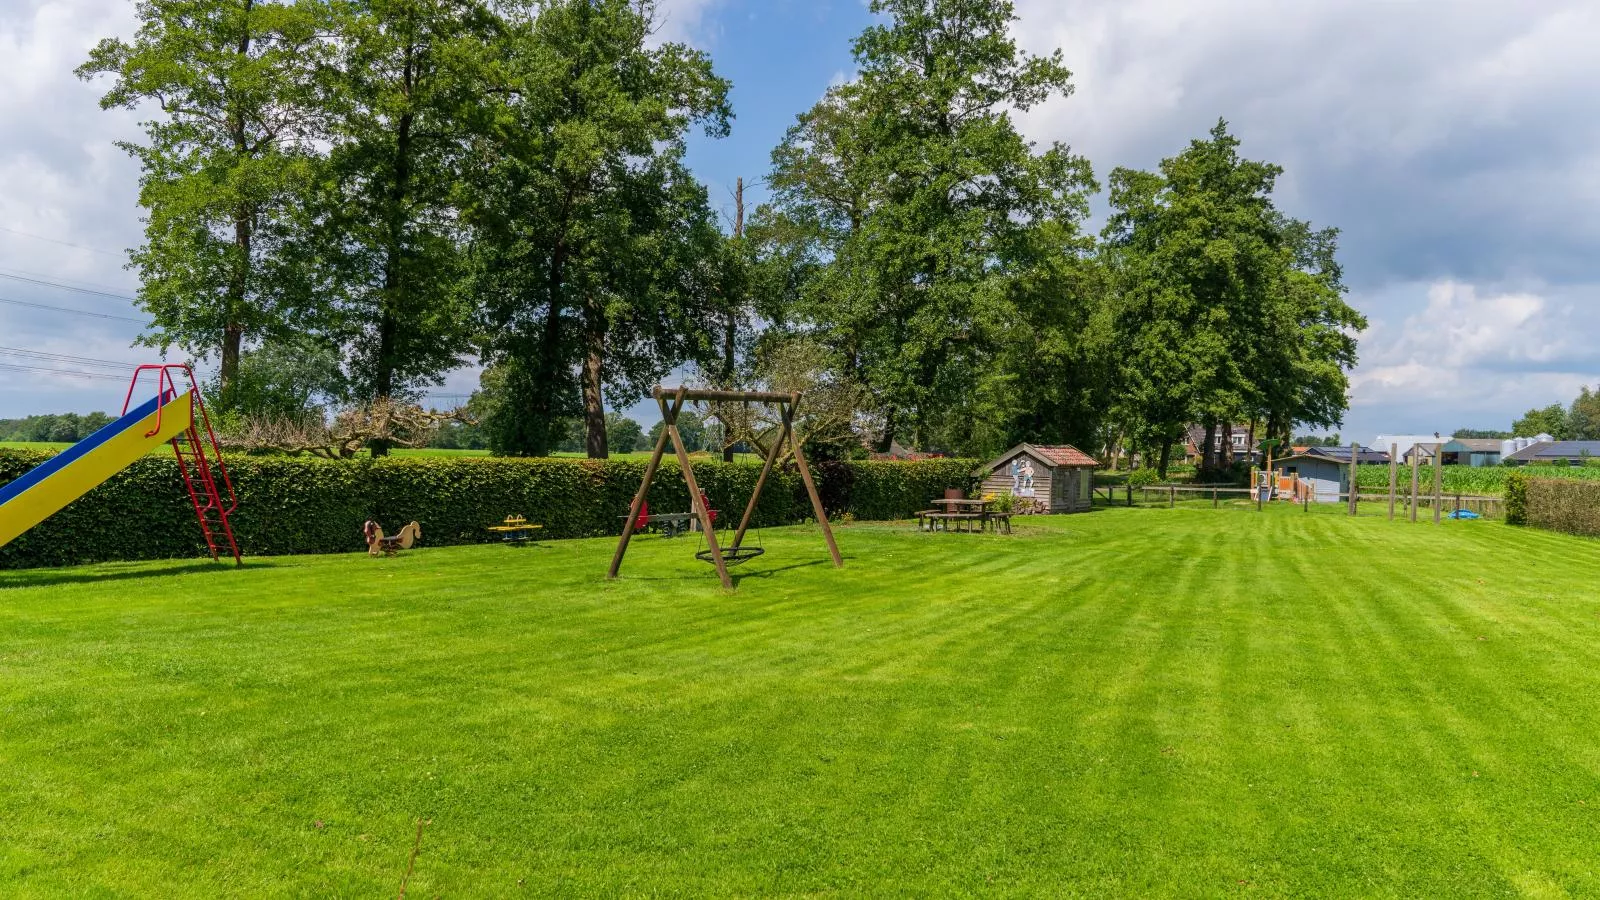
column 1059, row 456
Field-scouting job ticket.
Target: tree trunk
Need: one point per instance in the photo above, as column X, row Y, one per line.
column 547, row 367
column 1166, row 458
column 1208, row 453
column 594, row 349
column 1226, row 461
column 886, row 442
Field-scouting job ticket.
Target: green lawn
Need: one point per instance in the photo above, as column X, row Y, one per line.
column 1139, row 702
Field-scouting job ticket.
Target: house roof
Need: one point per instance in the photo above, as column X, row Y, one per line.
column 1341, row 455
column 1473, row 445
column 1557, row 450
column 1059, row 455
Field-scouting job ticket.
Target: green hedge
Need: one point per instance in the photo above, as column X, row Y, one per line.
column 1517, row 499
column 1559, row 504
column 289, row 506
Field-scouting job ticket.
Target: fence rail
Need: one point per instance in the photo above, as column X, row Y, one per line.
column 1398, row 504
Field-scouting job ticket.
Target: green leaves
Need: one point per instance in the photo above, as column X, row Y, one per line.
column 917, row 223
column 1228, row 309
column 304, row 505
column 595, row 247
column 225, row 167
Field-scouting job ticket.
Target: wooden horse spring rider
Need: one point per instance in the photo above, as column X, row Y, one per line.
column 388, row 546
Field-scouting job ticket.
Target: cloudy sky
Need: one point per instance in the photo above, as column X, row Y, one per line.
column 1455, row 143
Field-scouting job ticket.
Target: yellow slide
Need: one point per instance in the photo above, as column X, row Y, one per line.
column 82, row 467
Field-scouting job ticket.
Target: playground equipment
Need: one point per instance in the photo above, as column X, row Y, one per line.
column 389, row 546
column 515, row 530
column 174, row 415
column 735, row 552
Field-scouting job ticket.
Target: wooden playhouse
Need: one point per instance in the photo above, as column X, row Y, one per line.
column 1059, row 478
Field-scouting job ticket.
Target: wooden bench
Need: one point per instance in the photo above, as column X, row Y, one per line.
column 935, row 517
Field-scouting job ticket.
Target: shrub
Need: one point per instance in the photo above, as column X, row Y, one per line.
column 1564, row 505
column 1143, row 478
column 1517, row 499
column 305, row 505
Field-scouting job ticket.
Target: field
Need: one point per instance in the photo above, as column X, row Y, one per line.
column 1138, row 702
column 1487, row 481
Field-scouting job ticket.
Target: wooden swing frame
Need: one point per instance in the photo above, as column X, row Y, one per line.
column 671, row 402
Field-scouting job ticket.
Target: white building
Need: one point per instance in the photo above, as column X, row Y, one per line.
column 1404, row 442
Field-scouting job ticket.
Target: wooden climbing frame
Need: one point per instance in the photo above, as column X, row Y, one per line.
column 671, row 402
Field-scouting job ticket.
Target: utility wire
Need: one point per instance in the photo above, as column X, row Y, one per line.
column 68, row 358
column 119, row 290
column 40, row 237
column 63, row 372
column 66, row 287
column 78, row 312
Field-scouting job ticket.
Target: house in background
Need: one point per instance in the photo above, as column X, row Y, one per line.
column 1403, row 443
column 1195, row 438
column 1326, row 469
column 1473, row 452
column 1557, row 452
column 1061, row 477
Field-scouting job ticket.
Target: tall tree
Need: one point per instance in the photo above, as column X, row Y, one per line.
column 593, row 241
column 1551, row 420
column 917, row 204
column 1226, row 308
column 225, row 167
column 404, row 101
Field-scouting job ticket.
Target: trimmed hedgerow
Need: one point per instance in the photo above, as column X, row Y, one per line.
column 304, row 505
column 1559, row 504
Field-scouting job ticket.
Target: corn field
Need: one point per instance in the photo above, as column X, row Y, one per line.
column 1486, row 480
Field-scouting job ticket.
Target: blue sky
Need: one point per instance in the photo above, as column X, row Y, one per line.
column 1455, row 142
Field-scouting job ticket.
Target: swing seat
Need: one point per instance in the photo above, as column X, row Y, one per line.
column 731, row 556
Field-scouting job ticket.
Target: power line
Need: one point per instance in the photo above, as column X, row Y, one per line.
column 113, row 288
column 67, row 358
column 63, row 372
column 40, row 237
column 66, row 287
column 78, row 312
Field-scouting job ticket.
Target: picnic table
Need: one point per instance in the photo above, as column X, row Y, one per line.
column 963, row 513
column 515, row 530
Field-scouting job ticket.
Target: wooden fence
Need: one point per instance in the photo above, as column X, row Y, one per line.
column 1397, row 505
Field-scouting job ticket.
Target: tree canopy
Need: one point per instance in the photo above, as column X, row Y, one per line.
column 348, row 199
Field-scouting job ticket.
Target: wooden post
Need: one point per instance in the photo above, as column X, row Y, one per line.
column 1213, row 498
column 1172, row 497
column 811, row 486
column 1394, row 475
column 698, row 505
column 1355, row 461
column 761, row 480
column 1438, row 480
column 668, row 415
column 1414, row 482
column 1129, row 489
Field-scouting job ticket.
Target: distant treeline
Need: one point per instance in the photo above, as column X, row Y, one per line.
column 67, row 427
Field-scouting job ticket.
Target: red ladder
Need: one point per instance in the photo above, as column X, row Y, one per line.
column 205, row 475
